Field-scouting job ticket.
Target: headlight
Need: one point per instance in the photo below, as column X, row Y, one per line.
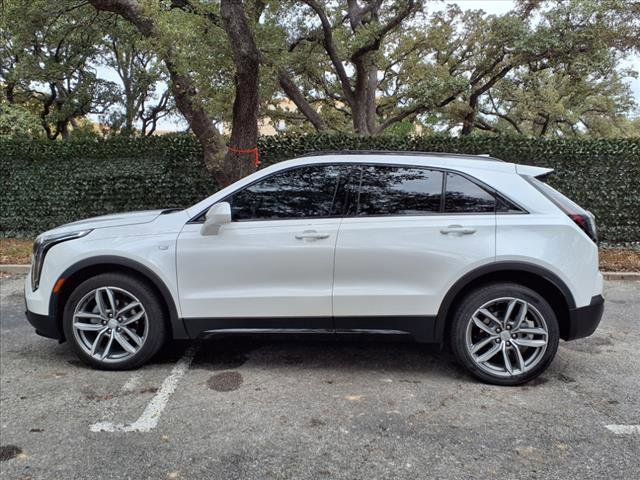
column 42, row 246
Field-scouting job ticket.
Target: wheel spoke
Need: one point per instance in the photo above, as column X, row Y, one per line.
column 489, row 354
column 510, row 307
column 478, row 346
column 96, row 341
column 128, row 307
column 107, row 349
column 88, row 315
column 100, row 303
column 124, row 343
column 88, row 327
column 526, row 342
column 507, row 360
column 112, row 300
column 133, row 318
column 490, row 316
column 521, row 316
column 518, row 357
column 133, row 336
column 532, row 331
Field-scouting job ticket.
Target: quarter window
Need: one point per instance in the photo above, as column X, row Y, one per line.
column 306, row 192
column 386, row 190
column 464, row 196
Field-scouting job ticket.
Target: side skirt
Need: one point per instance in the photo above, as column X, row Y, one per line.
column 420, row 328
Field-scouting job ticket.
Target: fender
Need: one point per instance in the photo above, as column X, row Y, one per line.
column 177, row 325
column 505, row 266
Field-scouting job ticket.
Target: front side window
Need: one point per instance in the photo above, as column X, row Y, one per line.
column 306, row 192
column 388, row 190
column 464, row 196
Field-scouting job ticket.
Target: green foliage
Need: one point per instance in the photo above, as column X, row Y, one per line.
column 44, row 184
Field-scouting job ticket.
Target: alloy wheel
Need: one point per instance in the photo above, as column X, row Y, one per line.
column 506, row 337
column 110, row 324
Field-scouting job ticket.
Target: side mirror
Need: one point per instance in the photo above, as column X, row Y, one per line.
column 216, row 216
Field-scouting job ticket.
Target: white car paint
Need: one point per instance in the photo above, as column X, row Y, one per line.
column 362, row 267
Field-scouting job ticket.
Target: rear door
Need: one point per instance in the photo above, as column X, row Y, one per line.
column 404, row 243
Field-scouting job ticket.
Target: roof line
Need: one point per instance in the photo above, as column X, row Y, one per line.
column 321, row 153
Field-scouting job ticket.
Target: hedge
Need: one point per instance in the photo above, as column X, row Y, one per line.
column 44, row 184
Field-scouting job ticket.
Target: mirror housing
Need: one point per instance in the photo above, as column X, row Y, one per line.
column 218, row 215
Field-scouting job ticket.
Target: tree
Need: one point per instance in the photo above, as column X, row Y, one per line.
column 141, row 74
column 46, row 57
column 366, row 66
column 232, row 18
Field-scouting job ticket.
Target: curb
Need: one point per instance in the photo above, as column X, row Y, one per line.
column 15, row 268
column 629, row 276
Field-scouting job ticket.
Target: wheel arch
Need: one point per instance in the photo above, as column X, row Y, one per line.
column 84, row 269
column 539, row 279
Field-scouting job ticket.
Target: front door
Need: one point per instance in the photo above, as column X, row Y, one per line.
column 272, row 266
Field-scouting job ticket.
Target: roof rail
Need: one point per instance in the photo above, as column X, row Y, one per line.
column 482, row 156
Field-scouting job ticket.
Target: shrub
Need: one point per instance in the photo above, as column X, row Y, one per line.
column 44, row 184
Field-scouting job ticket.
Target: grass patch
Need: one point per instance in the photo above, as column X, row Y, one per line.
column 15, row 251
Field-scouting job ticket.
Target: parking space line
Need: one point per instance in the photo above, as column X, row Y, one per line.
column 624, row 429
column 151, row 414
column 132, row 383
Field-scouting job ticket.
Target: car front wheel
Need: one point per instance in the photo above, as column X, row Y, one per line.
column 114, row 322
column 505, row 334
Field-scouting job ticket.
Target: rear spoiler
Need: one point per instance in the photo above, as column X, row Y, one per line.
column 531, row 171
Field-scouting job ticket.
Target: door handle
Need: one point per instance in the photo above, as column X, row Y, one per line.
column 311, row 235
column 457, row 230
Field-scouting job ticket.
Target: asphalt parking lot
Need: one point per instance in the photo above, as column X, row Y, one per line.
column 277, row 409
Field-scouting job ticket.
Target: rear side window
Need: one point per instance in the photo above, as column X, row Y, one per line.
column 306, row 192
column 387, row 190
column 464, row 196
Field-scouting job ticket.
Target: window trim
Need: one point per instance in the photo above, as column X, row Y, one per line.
column 498, row 195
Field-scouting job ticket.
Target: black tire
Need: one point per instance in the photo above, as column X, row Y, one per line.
column 156, row 330
column 462, row 318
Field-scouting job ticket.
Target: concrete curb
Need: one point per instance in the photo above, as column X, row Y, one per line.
column 629, row 276
column 15, row 268
column 632, row 276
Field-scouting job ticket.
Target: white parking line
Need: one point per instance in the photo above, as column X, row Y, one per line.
column 151, row 415
column 132, row 383
column 624, row 429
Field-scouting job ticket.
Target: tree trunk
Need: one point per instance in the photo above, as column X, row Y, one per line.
column 240, row 160
column 470, row 118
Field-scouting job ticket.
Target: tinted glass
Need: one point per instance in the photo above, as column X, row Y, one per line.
column 464, row 196
column 388, row 190
column 316, row 191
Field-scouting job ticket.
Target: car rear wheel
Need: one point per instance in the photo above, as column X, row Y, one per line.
column 505, row 334
column 114, row 322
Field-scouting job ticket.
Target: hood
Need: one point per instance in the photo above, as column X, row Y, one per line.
column 112, row 220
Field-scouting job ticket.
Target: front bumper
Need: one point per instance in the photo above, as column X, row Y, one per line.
column 583, row 321
column 44, row 325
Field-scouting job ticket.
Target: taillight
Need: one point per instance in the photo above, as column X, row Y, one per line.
column 586, row 222
column 581, row 217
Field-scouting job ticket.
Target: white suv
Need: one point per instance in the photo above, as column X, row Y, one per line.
column 462, row 249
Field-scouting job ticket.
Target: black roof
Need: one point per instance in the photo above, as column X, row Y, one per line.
column 400, row 152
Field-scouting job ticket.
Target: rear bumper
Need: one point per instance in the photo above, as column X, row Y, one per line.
column 44, row 325
column 583, row 321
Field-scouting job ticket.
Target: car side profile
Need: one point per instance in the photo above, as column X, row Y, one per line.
column 463, row 250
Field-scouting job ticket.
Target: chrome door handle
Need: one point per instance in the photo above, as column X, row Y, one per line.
column 457, row 230
column 312, row 235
